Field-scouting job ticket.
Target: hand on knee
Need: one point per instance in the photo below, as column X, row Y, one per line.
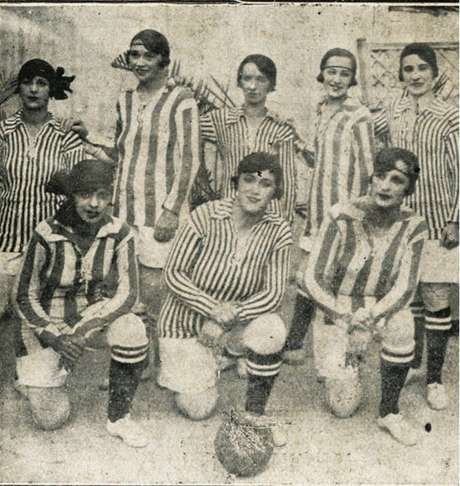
column 197, row 406
column 50, row 407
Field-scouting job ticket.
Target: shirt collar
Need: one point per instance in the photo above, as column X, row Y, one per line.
column 234, row 114
column 437, row 107
column 19, row 120
column 348, row 102
column 223, row 210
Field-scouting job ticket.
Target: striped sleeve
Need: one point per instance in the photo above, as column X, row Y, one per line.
column 452, row 141
column 103, row 313
column 406, row 282
column 27, row 288
column 381, row 125
column 188, row 150
column 74, row 150
column 363, row 134
column 320, row 273
column 274, row 282
column 207, row 128
column 184, row 251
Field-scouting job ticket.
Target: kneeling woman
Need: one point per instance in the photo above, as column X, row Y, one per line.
column 228, row 267
column 76, row 289
column 365, row 273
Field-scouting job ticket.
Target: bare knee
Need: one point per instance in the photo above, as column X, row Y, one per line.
column 197, row 406
column 50, row 407
column 266, row 334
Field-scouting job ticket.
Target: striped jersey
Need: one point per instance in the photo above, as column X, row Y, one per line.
column 344, row 159
column 432, row 135
column 158, row 154
column 206, row 266
column 349, row 258
column 63, row 291
column 227, row 128
column 26, row 166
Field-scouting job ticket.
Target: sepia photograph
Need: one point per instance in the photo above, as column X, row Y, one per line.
column 229, row 243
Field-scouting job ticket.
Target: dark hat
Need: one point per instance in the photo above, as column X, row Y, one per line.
column 86, row 176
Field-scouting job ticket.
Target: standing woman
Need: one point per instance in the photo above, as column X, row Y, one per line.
column 428, row 126
column 33, row 146
column 252, row 127
column 364, row 271
column 344, row 151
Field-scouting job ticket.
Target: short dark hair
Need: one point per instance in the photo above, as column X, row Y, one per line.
column 386, row 159
column 424, row 52
column 264, row 64
column 156, row 43
column 257, row 162
column 338, row 52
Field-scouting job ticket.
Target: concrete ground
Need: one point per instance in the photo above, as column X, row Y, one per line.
column 321, row 448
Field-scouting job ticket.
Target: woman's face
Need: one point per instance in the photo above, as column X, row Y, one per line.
column 337, row 74
column 35, row 93
column 91, row 206
column 255, row 84
column 417, row 75
column 389, row 189
column 144, row 64
column 255, row 191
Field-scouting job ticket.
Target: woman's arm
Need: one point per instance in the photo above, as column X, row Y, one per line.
column 364, row 148
column 452, row 141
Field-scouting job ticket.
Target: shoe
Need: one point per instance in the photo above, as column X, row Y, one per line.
column 128, row 431
column 436, row 396
column 242, row 368
column 414, row 375
column 294, row 357
column 399, row 428
column 279, row 435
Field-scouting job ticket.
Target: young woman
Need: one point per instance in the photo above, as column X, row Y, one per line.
column 33, row 146
column 75, row 290
column 364, row 273
column 227, row 269
column 252, row 127
column 428, row 126
column 344, row 151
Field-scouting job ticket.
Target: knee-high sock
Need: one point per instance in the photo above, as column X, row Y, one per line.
column 419, row 322
column 303, row 313
column 393, row 377
column 123, row 381
column 262, row 371
column 437, row 325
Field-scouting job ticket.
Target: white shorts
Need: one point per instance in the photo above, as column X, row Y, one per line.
column 186, row 366
column 438, row 264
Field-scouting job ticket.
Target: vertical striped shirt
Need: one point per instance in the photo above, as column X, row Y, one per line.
column 344, row 158
column 227, row 128
column 158, row 154
column 206, row 267
column 62, row 291
column 348, row 258
column 26, row 166
column 432, row 135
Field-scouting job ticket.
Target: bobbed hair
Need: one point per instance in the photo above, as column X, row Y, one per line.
column 264, row 64
column 424, row 52
column 339, row 52
column 154, row 42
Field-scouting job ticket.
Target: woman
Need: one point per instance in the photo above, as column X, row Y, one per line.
column 227, row 268
column 251, row 127
column 75, row 291
column 344, row 151
column 364, row 272
column 33, row 146
column 428, row 126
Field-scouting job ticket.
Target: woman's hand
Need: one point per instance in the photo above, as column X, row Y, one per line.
column 69, row 347
column 77, row 125
column 166, row 226
column 449, row 236
column 210, row 335
column 361, row 319
column 225, row 314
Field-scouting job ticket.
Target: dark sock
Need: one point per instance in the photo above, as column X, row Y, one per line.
column 393, row 377
column 419, row 321
column 303, row 314
column 436, row 352
column 123, row 381
column 260, row 385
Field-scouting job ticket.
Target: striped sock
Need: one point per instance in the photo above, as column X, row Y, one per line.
column 438, row 320
column 418, row 313
column 262, row 371
column 393, row 377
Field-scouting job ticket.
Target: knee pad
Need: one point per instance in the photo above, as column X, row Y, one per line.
column 50, row 407
column 266, row 334
column 197, row 406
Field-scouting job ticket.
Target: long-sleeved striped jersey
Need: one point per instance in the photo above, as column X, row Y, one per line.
column 348, row 258
column 227, row 128
column 63, row 291
column 26, row 165
column 344, row 157
column 206, row 266
column 158, row 154
column 432, row 135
